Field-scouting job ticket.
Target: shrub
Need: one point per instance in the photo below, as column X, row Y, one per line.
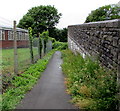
column 60, row 45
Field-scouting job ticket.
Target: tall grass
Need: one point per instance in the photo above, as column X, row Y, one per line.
column 90, row 85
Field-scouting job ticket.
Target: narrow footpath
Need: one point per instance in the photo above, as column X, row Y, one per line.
column 49, row 92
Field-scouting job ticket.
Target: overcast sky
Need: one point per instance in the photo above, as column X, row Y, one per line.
column 73, row 11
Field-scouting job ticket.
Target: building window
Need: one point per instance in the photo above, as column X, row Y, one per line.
column 26, row 36
column 10, row 35
column 23, row 36
column 18, row 36
column 2, row 35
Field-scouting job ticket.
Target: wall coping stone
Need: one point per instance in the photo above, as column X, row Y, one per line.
column 106, row 23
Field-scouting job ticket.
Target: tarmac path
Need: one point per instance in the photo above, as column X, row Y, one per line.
column 49, row 92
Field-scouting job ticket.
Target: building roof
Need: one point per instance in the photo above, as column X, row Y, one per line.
column 3, row 27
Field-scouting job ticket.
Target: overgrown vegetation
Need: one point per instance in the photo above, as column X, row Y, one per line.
column 60, row 45
column 23, row 83
column 90, row 85
column 31, row 44
column 44, row 38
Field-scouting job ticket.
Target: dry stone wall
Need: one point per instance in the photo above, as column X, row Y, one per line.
column 101, row 39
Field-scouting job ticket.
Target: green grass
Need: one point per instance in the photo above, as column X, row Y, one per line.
column 7, row 63
column 90, row 85
column 8, row 58
column 23, row 83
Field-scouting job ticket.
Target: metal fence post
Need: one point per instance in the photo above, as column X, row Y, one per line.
column 39, row 46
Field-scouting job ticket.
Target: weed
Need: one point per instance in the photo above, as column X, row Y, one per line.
column 90, row 85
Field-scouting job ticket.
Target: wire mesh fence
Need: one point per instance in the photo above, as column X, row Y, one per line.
column 0, row 77
column 7, row 62
column 22, row 54
column 15, row 52
column 24, row 61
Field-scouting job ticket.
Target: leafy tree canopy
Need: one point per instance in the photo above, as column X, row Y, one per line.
column 40, row 18
column 59, row 34
column 107, row 12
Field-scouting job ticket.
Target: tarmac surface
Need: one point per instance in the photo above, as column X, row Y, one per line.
column 49, row 92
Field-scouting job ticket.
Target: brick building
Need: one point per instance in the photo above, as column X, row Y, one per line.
column 7, row 40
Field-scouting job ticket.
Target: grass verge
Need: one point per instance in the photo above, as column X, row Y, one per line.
column 90, row 85
column 23, row 83
column 7, row 63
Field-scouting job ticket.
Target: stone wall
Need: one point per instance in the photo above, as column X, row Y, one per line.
column 101, row 39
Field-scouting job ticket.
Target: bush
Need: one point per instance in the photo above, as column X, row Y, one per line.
column 60, row 45
column 91, row 86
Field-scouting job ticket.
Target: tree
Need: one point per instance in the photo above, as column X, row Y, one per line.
column 107, row 12
column 40, row 18
column 64, row 35
column 59, row 34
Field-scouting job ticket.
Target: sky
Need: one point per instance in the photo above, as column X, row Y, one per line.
column 73, row 11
